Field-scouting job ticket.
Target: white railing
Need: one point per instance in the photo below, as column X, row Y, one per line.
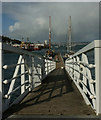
column 28, row 73
column 84, row 67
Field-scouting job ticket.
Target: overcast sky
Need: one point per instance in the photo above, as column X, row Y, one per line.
column 32, row 20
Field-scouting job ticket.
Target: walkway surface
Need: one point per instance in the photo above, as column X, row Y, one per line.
column 57, row 96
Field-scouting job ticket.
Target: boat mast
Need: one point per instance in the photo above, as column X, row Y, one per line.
column 69, row 34
column 49, row 33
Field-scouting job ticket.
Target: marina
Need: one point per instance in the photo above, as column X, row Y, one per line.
column 50, row 57
column 50, row 83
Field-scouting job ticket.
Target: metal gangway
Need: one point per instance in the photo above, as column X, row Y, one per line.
column 30, row 70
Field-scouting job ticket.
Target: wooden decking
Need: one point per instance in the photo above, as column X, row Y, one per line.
column 56, row 96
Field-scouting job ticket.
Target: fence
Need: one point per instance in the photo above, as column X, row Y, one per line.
column 26, row 74
column 85, row 70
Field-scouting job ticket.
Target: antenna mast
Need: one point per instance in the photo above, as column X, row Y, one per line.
column 69, row 34
column 49, row 33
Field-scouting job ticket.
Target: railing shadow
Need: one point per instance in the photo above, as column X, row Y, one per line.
column 56, row 84
column 60, row 84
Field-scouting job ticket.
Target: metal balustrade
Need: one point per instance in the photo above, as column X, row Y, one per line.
column 84, row 67
column 27, row 74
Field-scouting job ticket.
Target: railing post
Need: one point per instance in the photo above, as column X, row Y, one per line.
column 0, row 79
column 46, row 68
column 40, row 72
column 43, row 69
column 78, row 68
column 23, row 76
column 33, row 82
column 74, row 77
column 49, row 67
column 98, row 75
column 30, row 74
column 84, row 72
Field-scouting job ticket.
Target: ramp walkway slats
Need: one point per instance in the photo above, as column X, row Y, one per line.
column 57, row 95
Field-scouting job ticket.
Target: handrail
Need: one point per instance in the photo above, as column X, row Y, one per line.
column 7, row 47
column 92, row 45
column 83, row 74
column 82, row 63
column 85, row 49
column 9, row 80
column 10, row 66
column 31, row 74
column 79, row 69
column 14, row 90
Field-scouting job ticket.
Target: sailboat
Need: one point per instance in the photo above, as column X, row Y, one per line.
column 50, row 52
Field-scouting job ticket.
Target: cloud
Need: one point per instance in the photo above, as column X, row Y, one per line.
column 14, row 27
column 40, row 21
column 32, row 20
